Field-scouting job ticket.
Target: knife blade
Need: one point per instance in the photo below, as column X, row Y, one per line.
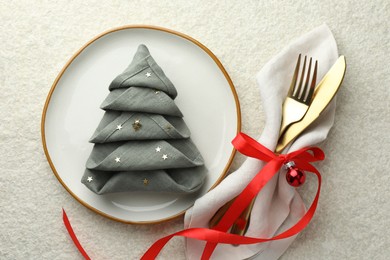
column 323, row 95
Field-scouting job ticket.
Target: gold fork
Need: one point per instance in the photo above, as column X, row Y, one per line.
column 294, row 108
column 299, row 96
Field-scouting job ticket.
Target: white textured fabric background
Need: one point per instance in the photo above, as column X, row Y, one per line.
column 37, row 39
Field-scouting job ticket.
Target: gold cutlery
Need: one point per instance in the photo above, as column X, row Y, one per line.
column 323, row 94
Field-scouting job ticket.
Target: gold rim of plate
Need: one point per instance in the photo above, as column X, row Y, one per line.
column 150, row 27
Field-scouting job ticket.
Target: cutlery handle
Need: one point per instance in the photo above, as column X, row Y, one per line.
column 240, row 226
column 244, row 215
column 219, row 214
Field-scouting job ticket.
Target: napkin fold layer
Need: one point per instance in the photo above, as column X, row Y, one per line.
column 159, row 127
column 141, row 99
column 142, row 155
column 278, row 206
column 184, row 180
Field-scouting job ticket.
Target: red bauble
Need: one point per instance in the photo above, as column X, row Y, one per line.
column 295, row 177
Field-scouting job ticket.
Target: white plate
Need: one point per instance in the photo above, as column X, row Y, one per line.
column 206, row 96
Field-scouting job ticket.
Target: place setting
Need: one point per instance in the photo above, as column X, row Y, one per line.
column 89, row 106
column 142, row 125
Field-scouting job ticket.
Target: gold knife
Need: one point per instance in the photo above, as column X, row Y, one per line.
column 323, row 94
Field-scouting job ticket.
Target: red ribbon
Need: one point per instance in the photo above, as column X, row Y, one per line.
column 251, row 148
column 73, row 235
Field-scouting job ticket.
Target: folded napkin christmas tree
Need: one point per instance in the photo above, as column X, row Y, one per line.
column 142, row 142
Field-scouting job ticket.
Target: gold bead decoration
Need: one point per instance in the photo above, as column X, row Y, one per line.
column 137, row 124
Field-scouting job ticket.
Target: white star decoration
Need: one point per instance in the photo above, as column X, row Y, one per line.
column 117, row 159
column 158, row 149
column 148, row 74
column 89, row 179
column 119, row 127
column 165, row 156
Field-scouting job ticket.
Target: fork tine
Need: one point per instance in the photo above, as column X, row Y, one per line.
column 312, row 86
column 294, row 79
column 305, row 88
column 298, row 90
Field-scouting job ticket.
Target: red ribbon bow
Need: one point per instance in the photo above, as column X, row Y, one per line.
column 249, row 147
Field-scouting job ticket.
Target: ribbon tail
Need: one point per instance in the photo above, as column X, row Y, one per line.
column 155, row 249
column 205, row 234
column 73, row 235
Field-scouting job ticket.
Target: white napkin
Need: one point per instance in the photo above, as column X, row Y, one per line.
column 278, row 206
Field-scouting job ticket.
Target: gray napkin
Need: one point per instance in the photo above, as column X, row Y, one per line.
column 142, row 142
